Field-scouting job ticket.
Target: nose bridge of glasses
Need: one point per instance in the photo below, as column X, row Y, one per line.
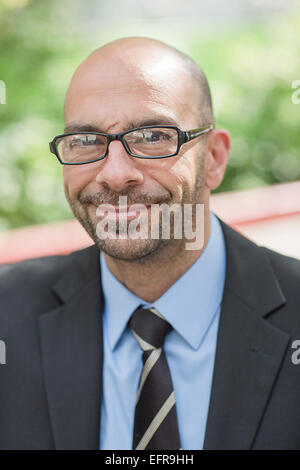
column 119, row 137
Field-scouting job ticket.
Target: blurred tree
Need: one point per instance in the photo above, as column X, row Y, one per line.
column 37, row 60
column 251, row 72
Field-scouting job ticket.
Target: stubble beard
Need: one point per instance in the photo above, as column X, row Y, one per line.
column 122, row 249
column 137, row 250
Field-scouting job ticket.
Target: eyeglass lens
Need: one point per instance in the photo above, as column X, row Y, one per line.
column 151, row 142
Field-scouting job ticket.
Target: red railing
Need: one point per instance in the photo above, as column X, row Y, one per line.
column 237, row 208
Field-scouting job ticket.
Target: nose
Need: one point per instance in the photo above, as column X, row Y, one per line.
column 119, row 170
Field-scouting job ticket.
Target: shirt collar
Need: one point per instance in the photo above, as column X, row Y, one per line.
column 189, row 305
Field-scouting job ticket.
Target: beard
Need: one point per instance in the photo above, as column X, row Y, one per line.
column 130, row 248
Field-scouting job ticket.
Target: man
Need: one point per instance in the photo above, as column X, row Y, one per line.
column 141, row 342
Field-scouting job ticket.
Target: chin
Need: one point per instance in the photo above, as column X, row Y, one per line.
column 130, row 249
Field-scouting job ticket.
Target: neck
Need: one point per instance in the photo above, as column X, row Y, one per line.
column 150, row 278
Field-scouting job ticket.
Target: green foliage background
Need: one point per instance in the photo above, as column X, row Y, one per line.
column 250, row 70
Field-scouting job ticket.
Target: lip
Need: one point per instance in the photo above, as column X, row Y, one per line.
column 124, row 212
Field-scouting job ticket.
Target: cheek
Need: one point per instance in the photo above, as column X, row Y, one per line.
column 176, row 176
column 185, row 170
column 76, row 179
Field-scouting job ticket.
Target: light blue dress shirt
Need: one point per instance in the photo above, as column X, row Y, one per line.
column 192, row 307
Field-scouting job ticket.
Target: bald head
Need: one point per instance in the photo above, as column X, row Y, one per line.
column 149, row 61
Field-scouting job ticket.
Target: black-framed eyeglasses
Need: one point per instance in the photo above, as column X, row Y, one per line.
column 79, row 148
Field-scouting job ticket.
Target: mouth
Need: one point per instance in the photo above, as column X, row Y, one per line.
column 122, row 212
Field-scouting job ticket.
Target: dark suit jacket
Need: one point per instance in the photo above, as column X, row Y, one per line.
column 51, row 385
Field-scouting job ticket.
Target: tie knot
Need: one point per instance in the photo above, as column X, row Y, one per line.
column 149, row 327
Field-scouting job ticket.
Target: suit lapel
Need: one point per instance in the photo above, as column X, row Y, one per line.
column 249, row 348
column 71, row 343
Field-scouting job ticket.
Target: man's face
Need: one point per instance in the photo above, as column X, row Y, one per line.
column 114, row 95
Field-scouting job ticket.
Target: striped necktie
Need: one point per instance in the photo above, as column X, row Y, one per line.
column 155, row 421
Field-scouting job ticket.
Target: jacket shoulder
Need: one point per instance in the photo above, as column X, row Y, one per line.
column 37, row 270
column 286, row 267
column 41, row 269
column 27, row 285
column 257, row 271
column 287, row 270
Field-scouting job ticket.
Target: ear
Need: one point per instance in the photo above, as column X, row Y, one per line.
column 217, row 154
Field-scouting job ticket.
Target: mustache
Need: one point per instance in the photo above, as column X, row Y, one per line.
column 133, row 197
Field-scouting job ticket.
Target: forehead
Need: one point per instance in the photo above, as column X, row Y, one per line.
column 122, row 87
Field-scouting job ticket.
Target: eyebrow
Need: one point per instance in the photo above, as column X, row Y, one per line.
column 76, row 127
column 158, row 120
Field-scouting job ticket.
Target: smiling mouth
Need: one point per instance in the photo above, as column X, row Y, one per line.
column 121, row 212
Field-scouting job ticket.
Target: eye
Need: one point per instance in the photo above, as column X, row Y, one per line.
column 82, row 140
column 155, row 136
column 85, row 140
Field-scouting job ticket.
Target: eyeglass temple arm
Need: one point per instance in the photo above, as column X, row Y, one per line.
column 51, row 146
column 193, row 133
